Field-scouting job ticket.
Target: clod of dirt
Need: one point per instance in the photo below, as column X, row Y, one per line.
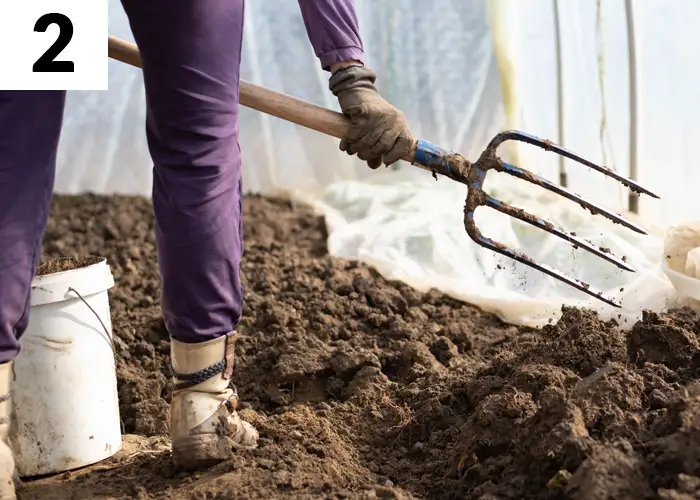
column 417, row 361
column 610, row 473
column 579, row 342
column 608, row 395
column 662, row 340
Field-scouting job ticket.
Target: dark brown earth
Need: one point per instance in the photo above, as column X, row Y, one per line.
column 58, row 265
column 363, row 388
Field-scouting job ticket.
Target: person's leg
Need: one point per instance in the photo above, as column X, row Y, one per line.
column 30, row 126
column 191, row 58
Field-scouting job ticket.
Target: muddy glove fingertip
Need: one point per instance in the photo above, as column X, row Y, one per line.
column 374, row 163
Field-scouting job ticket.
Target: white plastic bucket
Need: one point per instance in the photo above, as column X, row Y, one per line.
column 64, row 393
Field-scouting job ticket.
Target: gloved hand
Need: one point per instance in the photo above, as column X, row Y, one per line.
column 379, row 132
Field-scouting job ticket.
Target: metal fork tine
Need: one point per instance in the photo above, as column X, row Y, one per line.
column 550, row 146
column 524, row 259
column 552, row 229
column 445, row 162
column 593, row 207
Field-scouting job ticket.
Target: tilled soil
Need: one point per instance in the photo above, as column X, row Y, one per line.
column 364, row 388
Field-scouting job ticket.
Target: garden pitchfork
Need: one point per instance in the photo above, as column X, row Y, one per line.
column 441, row 161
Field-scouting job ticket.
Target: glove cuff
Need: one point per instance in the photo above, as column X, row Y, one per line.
column 352, row 77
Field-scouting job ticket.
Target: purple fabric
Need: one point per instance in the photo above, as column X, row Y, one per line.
column 30, row 124
column 191, row 55
column 191, row 59
column 333, row 31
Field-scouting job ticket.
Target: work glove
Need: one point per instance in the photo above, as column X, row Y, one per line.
column 378, row 131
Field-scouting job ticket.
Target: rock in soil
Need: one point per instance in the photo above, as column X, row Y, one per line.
column 365, row 388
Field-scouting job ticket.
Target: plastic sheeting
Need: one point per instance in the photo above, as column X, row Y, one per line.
column 452, row 69
column 595, row 104
column 413, row 231
column 435, row 64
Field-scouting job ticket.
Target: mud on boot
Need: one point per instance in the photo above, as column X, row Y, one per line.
column 204, row 425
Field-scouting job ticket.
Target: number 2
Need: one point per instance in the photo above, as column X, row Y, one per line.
column 47, row 63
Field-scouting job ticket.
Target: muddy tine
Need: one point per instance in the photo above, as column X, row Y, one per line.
column 552, row 229
column 550, row 146
column 594, row 208
column 524, row 259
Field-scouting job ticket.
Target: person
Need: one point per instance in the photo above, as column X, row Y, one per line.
column 191, row 54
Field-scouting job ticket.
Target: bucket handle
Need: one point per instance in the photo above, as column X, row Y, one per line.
column 104, row 327
column 109, row 339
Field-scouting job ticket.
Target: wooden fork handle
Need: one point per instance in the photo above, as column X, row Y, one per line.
column 260, row 98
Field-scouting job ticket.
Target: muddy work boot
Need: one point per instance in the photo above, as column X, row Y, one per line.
column 7, row 461
column 204, row 425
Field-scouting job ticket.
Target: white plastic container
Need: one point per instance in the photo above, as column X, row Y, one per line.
column 687, row 288
column 64, row 394
column 681, row 263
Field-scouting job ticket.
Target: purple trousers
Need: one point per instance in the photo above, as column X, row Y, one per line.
column 191, row 53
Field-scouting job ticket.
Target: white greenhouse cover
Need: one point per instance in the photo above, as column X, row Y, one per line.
column 461, row 70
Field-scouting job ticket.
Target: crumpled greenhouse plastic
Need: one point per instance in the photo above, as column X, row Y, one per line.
column 461, row 71
column 413, row 231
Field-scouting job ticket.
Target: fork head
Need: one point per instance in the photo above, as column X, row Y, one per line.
column 473, row 175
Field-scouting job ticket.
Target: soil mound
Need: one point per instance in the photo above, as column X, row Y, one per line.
column 365, row 388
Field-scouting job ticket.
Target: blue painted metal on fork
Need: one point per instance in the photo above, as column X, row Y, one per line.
column 435, row 158
column 431, row 155
column 477, row 182
column 439, row 160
